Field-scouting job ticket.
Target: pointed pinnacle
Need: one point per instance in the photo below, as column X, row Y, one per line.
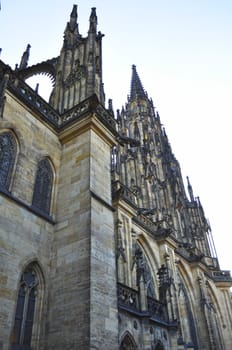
column 25, row 58
column 93, row 21
column 190, row 190
column 74, row 12
column 73, row 18
column 137, row 89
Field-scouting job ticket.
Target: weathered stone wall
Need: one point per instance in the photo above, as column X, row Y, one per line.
column 24, row 236
column 36, row 141
column 69, row 296
column 104, row 315
column 77, row 253
column 83, row 286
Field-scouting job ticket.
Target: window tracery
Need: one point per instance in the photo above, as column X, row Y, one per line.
column 8, row 149
column 43, row 186
column 143, row 271
column 25, row 309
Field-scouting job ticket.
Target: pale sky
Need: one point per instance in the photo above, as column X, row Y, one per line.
column 183, row 54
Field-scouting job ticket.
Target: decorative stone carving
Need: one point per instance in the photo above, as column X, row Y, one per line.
column 120, row 248
column 74, row 76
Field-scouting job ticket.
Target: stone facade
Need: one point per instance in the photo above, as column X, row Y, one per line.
column 101, row 246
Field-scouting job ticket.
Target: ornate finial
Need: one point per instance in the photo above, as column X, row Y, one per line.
column 25, row 58
column 199, row 202
column 71, row 33
column 37, row 88
column 74, row 12
column 190, row 190
column 73, row 19
column 118, row 117
column 164, row 132
column 93, row 21
column 110, row 107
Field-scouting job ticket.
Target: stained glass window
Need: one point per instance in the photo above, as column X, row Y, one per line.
column 8, row 150
column 25, row 309
column 43, row 186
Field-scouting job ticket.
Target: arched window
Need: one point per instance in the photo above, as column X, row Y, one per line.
column 143, row 271
column 187, row 322
column 25, row 309
column 127, row 343
column 43, row 186
column 8, row 149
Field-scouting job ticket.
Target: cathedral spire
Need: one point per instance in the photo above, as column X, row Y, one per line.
column 137, row 89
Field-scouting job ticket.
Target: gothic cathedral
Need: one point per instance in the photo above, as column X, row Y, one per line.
column 101, row 246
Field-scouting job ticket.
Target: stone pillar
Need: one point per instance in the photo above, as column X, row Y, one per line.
column 103, row 284
column 83, row 298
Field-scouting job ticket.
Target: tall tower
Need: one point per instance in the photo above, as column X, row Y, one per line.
column 148, row 167
column 79, row 66
column 167, row 264
column 63, row 272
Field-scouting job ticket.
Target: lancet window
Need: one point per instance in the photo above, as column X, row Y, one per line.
column 8, row 150
column 128, row 343
column 143, row 271
column 25, row 309
column 43, row 186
